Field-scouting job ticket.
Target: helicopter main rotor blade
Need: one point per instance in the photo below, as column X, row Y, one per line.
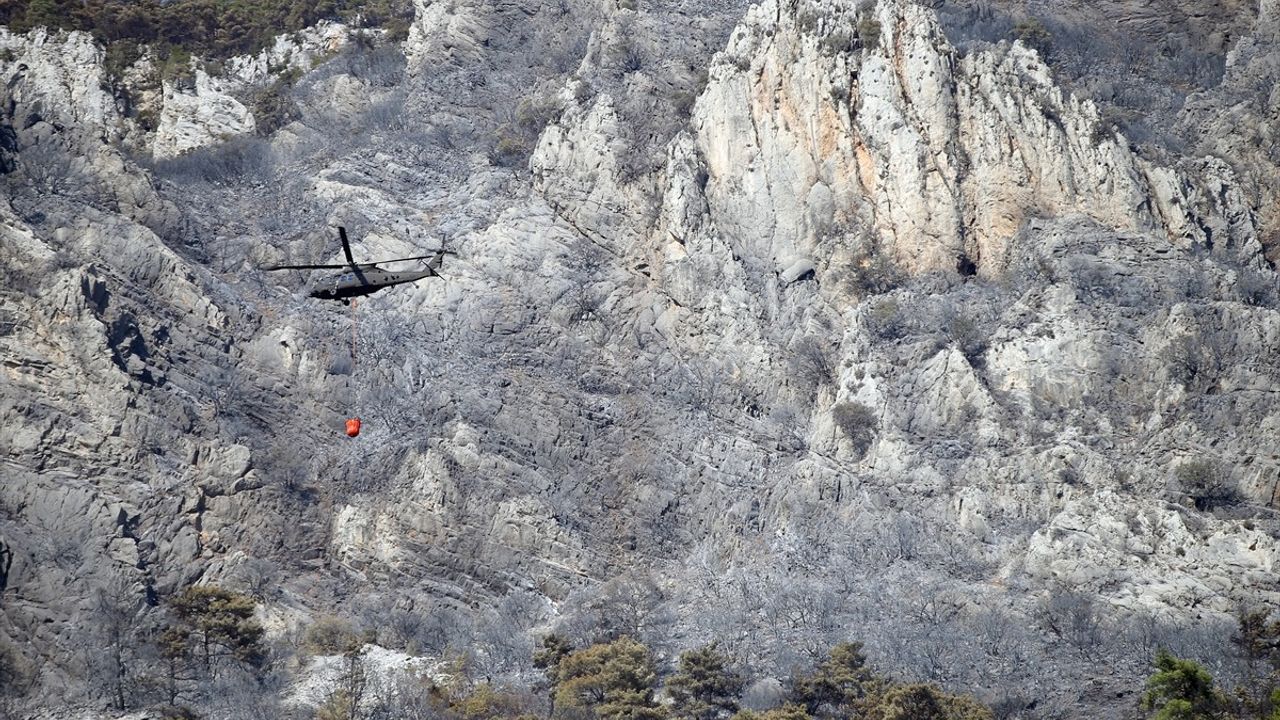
column 301, row 267
column 346, row 247
column 417, row 257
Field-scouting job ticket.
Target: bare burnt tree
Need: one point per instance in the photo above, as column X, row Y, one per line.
column 116, row 660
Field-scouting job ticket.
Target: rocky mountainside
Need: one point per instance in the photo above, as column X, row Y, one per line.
column 777, row 326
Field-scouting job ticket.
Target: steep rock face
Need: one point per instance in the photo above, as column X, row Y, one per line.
column 826, row 133
column 206, row 110
column 706, row 373
column 819, row 118
column 578, row 168
column 58, row 78
column 1238, row 119
column 115, row 381
column 444, row 29
column 202, row 115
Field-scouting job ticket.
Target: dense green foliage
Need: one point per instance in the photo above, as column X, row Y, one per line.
column 332, row 636
column 1034, row 34
column 1180, row 690
column 555, row 648
column 840, row 682
column 789, row 711
column 615, row 681
column 211, row 29
column 924, row 702
column 211, row 623
column 547, row 658
column 619, row 680
column 704, row 686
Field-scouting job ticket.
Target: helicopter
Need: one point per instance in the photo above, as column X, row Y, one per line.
column 365, row 278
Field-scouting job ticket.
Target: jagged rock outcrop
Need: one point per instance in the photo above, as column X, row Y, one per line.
column 445, row 30
column 1237, row 119
column 820, row 117
column 202, row 115
column 58, row 78
column 883, row 320
column 827, row 134
column 204, row 110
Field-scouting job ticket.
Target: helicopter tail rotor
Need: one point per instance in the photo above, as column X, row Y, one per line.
column 435, row 262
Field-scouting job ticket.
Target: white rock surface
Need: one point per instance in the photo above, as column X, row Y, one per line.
column 59, row 78
column 206, row 110
column 202, row 115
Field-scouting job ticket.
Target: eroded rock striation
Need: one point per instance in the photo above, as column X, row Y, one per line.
column 881, row 319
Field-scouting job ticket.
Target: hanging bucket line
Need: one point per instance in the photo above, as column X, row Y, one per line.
column 353, row 423
column 353, row 337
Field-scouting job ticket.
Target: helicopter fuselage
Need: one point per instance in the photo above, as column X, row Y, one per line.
column 365, row 282
column 360, row 279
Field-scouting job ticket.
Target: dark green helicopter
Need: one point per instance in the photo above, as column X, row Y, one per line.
column 365, row 278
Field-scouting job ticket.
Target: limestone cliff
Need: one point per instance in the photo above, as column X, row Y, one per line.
column 867, row 336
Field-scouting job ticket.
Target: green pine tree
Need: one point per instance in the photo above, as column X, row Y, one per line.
column 924, row 702
column 839, row 685
column 704, row 687
column 1180, row 690
column 613, row 681
column 547, row 659
column 213, row 623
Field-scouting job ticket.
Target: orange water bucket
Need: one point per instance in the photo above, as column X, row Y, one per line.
column 353, row 427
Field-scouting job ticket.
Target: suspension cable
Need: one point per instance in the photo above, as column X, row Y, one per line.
column 353, row 338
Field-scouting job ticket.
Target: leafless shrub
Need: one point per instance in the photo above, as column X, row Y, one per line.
column 116, row 657
column 1256, row 288
column 994, row 626
column 870, row 272
column 514, row 139
column 17, row 676
column 259, row 577
column 813, row 361
column 66, row 548
column 933, row 606
column 1190, row 360
column 444, row 628
column 1011, row 706
column 837, row 43
column 903, row 541
column 245, row 694
column 630, row 57
column 51, row 169
column 285, row 467
column 857, row 422
column 627, row 605
column 1075, row 617
column 1207, row 485
column 381, row 66
column 792, row 426
column 346, row 696
column 386, row 116
column 886, row 320
column 272, row 105
column 968, row 337
column 244, row 159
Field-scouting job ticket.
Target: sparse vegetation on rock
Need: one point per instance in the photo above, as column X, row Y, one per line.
column 768, row 330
